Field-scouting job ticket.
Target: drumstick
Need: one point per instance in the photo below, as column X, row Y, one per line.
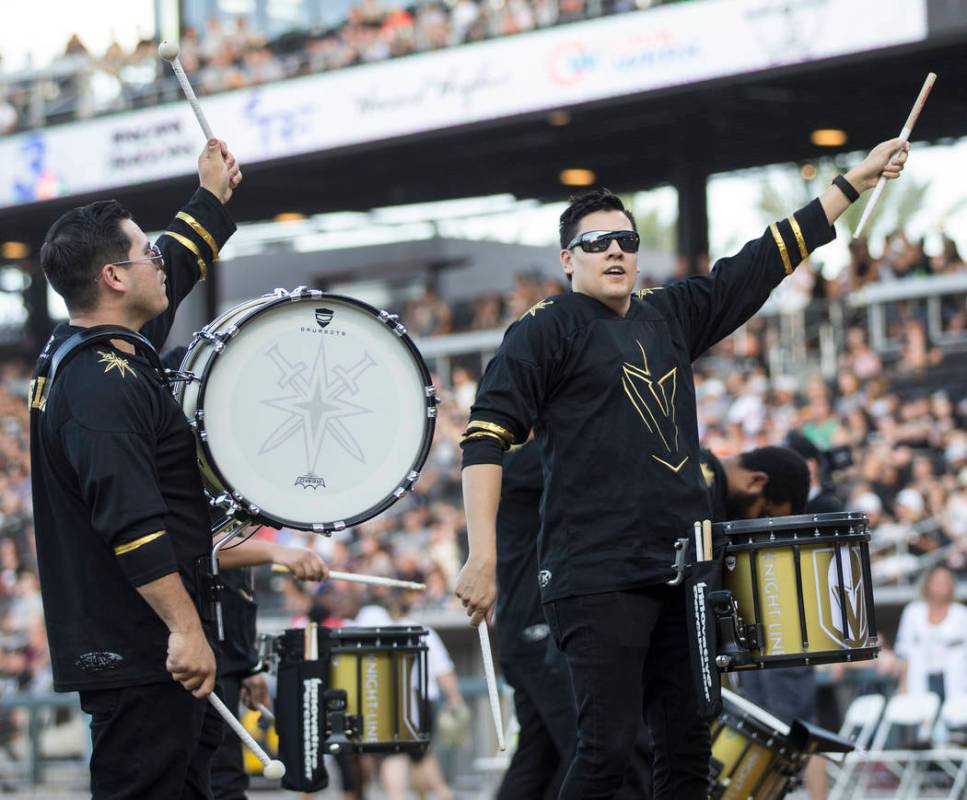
column 707, row 538
column 266, row 712
column 699, row 545
column 311, row 649
column 271, row 769
column 169, row 52
column 352, row 577
column 488, row 662
column 904, row 136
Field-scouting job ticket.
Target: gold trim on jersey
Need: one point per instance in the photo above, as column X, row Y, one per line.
column 188, row 244
column 121, row 549
column 483, row 426
column 200, row 229
column 38, row 394
column 780, row 243
column 654, row 400
column 800, row 240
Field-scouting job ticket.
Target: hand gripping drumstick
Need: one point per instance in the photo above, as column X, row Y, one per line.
column 373, row 580
column 169, row 52
column 271, row 769
column 488, row 662
column 904, row 136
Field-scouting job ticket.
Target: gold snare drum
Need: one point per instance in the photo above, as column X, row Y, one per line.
column 797, row 590
column 752, row 757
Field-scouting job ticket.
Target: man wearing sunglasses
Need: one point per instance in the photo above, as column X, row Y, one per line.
column 603, row 376
column 120, row 514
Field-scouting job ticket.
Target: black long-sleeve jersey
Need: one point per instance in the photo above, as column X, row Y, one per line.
column 118, row 499
column 612, row 403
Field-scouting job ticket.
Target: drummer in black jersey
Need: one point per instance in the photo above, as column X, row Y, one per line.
column 120, row 515
column 529, row 660
column 604, row 379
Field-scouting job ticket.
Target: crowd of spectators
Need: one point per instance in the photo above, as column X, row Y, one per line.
column 232, row 56
column 902, row 419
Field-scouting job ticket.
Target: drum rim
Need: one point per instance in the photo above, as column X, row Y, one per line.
column 787, row 540
column 808, row 658
column 793, row 522
column 244, row 505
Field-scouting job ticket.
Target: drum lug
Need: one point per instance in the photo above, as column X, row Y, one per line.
column 279, row 292
column 393, row 321
column 431, row 412
column 735, row 640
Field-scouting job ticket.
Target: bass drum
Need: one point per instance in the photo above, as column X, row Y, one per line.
column 311, row 411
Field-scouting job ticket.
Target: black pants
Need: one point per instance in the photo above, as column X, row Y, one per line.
column 628, row 656
column 229, row 781
column 548, row 728
column 151, row 742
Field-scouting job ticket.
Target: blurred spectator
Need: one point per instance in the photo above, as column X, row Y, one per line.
column 932, row 638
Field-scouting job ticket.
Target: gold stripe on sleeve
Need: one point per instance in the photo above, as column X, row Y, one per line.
column 493, row 427
column 782, row 248
column 468, row 437
column 187, row 243
column 200, row 229
column 120, row 550
column 797, row 232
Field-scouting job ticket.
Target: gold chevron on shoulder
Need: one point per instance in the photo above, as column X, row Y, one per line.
column 641, row 294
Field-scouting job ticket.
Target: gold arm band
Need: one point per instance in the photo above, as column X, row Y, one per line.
column 200, row 229
column 493, row 427
column 797, row 232
column 121, row 549
column 468, row 437
column 187, row 243
column 782, row 248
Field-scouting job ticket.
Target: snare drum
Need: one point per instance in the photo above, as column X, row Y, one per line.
column 752, row 757
column 311, row 411
column 802, row 591
column 368, row 688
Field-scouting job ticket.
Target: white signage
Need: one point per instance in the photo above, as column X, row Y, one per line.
column 615, row 56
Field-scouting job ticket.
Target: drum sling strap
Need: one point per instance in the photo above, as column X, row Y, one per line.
column 702, row 579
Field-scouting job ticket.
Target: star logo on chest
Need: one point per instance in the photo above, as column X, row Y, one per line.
column 114, row 361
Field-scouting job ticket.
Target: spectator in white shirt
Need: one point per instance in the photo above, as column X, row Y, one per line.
column 932, row 639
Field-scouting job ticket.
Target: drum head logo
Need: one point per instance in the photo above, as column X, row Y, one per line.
column 316, row 410
column 842, row 614
column 324, row 316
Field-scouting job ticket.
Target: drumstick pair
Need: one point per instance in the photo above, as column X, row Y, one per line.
column 372, row 580
column 703, row 540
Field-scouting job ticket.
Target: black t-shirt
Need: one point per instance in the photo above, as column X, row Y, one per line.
column 520, row 625
column 118, row 499
column 612, row 403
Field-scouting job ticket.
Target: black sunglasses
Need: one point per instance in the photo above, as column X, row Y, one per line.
column 599, row 241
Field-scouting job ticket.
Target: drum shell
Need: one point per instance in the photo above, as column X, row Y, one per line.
column 749, row 768
column 811, row 608
column 379, row 690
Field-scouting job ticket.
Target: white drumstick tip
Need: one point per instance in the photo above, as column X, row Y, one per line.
column 274, row 770
column 168, row 50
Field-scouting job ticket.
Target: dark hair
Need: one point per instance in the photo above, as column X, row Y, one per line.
column 787, row 471
column 581, row 205
column 78, row 245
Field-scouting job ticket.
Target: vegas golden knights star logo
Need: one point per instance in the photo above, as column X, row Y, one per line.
column 654, row 400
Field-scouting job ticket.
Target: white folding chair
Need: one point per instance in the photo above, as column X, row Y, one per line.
column 859, row 725
column 909, row 710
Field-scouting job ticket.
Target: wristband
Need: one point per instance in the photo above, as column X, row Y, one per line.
column 846, row 188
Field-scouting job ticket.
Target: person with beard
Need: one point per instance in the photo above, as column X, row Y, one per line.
column 765, row 482
column 602, row 375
